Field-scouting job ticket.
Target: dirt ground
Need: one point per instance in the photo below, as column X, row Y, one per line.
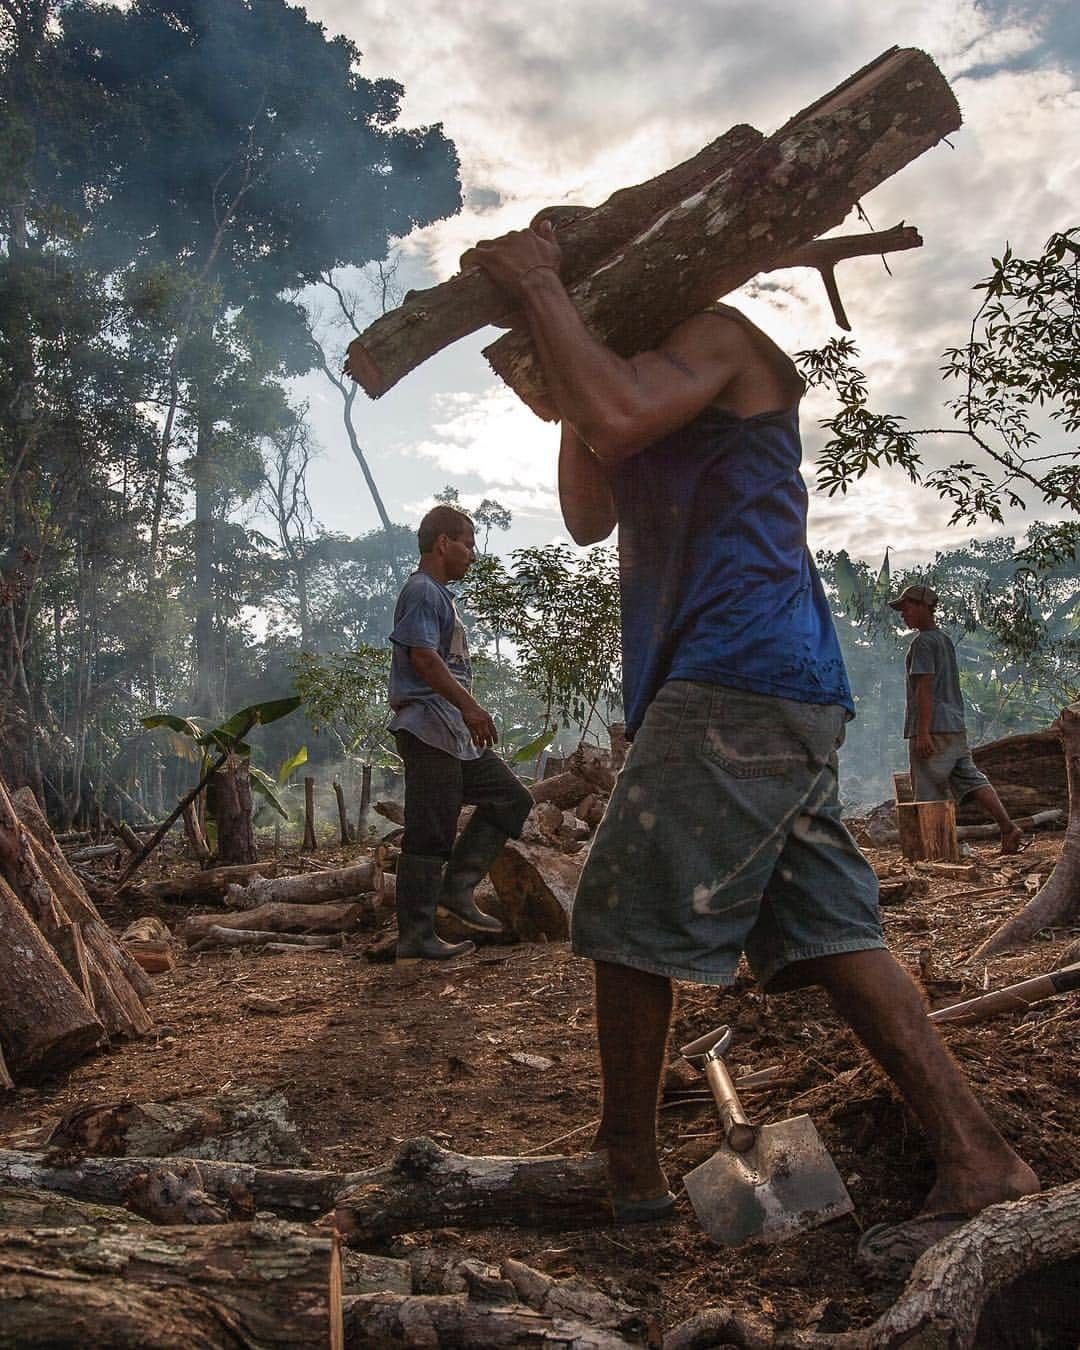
column 368, row 1056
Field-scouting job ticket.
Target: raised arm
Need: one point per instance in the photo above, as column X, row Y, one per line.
column 585, row 495
column 617, row 405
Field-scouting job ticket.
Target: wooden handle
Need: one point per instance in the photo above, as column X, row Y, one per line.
column 738, row 1131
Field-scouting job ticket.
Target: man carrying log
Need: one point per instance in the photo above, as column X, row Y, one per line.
column 444, row 738
column 938, row 755
column 723, row 834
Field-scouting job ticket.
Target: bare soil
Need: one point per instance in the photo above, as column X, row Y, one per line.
column 368, row 1056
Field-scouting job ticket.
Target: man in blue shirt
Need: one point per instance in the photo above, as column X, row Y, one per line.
column 723, row 834
column 938, row 755
column 444, row 737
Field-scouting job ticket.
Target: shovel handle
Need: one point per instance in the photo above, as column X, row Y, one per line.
column 738, row 1131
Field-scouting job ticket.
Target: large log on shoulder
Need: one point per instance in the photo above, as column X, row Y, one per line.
column 266, row 1283
column 429, row 320
column 802, row 181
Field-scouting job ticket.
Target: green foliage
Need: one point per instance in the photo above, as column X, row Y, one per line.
column 346, row 694
column 560, row 610
column 1018, row 368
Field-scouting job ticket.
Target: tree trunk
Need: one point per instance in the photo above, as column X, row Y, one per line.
column 282, row 918
column 1058, row 902
column 310, row 888
column 1028, row 770
column 232, row 799
column 266, row 1283
column 365, row 802
column 799, row 183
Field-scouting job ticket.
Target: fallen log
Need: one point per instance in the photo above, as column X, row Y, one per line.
column 244, row 1124
column 217, row 936
column 563, row 790
column 1058, row 901
column 394, row 812
column 380, row 1320
column 196, row 888
column 281, row 918
column 799, row 183
column 1019, row 766
column 431, row 1187
column 535, row 887
column 426, row 1186
column 265, row 1283
column 1035, row 822
column 342, row 883
column 23, row 1207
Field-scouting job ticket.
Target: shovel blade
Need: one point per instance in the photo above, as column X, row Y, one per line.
column 782, row 1186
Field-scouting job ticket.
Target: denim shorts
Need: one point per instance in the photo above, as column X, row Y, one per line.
column 723, row 835
column 949, row 772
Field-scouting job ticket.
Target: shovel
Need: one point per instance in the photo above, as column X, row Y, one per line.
column 766, row 1182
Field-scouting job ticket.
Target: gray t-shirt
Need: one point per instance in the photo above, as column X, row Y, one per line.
column 932, row 653
column 425, row 616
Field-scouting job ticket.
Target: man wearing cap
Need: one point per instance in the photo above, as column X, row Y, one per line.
column 938, row 754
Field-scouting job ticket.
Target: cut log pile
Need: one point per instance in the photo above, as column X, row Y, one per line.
column 66, row 983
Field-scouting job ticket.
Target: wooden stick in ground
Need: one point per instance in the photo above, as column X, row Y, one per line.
column 365, row 802
column 194, row 832
column 310, row 844
column 343, row 819
column 824, row 160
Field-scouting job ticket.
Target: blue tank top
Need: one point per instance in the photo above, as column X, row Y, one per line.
column 716, row 580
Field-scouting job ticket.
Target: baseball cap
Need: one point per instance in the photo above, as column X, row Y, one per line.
column 921, row 595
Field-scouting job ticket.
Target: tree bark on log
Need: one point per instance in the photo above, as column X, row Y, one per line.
column 1029, row 763
column 801, row 182
column 1058, row 901
column 431, row 1187
column 265, row 1283
column 432, row 319
column 426, row 1186
column 232, row 800
column 535, row 888
column 216, row 936
column 450, row 1320
column 282, row 918
column 45, row 1022
column 564, row 790
column 202, row 887
column 24, row 1207
column 311, row 888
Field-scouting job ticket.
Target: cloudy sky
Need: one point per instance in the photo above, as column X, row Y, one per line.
column 568, row 102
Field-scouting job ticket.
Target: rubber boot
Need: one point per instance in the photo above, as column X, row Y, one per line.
column 418, row 882
column 478, row 847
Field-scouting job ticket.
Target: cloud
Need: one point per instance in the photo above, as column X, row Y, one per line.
column 572, row 102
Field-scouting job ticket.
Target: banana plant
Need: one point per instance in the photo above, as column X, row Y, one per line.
column 227, row 738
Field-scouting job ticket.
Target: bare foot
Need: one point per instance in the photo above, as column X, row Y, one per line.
column 632, row 1174
column 1011, row 842
column 967, row 1190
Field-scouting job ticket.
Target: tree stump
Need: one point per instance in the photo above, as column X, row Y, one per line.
column 232, row 798
column 928, row 830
